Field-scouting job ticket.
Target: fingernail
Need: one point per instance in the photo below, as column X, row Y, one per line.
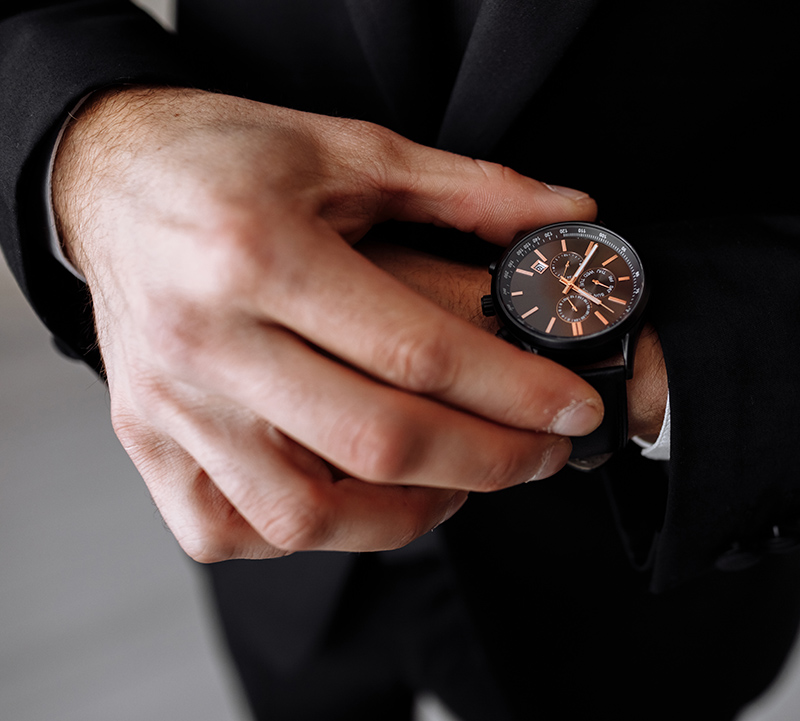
column 571, row 193
column 578, row 418
column 555, row 457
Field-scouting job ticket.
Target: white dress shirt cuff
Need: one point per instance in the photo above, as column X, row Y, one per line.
column 660, row 450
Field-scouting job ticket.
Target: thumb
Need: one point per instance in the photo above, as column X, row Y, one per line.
column 433, row 186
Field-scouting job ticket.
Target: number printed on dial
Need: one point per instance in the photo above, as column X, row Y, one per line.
column 570, row 280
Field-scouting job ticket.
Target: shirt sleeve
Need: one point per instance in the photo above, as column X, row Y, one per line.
column 56, row 247
column 659, row 450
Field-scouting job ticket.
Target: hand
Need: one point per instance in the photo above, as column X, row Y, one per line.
column 253, row 357
column 458, row 288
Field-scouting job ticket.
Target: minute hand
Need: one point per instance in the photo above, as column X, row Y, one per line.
column 569, row 284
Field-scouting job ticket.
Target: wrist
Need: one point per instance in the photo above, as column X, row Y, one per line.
column 88, row 156
column 648, row 388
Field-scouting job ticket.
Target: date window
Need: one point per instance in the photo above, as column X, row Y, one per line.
column 540, row 266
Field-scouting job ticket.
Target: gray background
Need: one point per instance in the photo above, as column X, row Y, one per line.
column 102, row 618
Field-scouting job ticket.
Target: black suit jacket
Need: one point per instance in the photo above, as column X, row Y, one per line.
column 677, row 118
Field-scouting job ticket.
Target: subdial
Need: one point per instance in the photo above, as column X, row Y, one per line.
column 565, row 264
column 598, row 282
column 573, row 308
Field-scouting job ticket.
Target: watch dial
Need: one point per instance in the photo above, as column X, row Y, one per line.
column 569, row 280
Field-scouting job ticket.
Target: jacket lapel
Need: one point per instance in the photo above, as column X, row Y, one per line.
column 388, row 32
column 514, row 47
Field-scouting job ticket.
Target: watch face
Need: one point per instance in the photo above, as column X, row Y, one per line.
column 569, row 285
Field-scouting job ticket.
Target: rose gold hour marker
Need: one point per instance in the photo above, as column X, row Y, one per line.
column 532, row 310
column 589, row 248
column 550, row 325
column 540, row 254
column 612, row 258
column 516, row 292
column 564, row 244
column 524, row 272
column 617, row 300
column 624, row 277
column 600, row 317
column 577, row 328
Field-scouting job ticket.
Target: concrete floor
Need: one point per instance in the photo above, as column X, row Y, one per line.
column 101, row 615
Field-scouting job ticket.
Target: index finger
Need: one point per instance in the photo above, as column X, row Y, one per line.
column 344, row 304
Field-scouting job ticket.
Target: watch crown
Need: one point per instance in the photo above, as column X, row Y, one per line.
column 487, row 305
column 493, row 266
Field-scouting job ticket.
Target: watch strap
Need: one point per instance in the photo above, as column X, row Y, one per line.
column 612, row 433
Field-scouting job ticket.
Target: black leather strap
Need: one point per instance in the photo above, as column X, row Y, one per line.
column 612, row 434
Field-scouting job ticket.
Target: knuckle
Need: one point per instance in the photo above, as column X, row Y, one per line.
column 126, row 425
column 420, row 361
column 295, row 523
column 210, row 543
column 378, row 140
column 176, row 334
column 208, row 527
column 377, row 447
column 387, row 149
column 234, row 250
column 132, row 418
column 206, row 548
column 237, row 254
column 148, row 397
column 496, row 171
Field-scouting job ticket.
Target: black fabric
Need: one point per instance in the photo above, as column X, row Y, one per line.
column 594, row 639
column 78, row 47
column 674, row 117
column 399, row 629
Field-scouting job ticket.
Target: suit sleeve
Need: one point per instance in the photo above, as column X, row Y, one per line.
column 51, row 55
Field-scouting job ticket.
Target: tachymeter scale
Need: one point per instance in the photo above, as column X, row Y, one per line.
column 594, row 280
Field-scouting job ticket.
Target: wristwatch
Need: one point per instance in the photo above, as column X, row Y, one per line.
column 576, row 293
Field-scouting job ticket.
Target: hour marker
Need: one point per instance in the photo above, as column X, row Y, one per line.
column 540, row 254
column 612, row 258
column 600, row 317
column 624, row 277
column 524, row 272
column 589, row 247
column 532, row 310
column 564, row 244
column 617, row 300
column 516, row 292
column 550, row 325
column 577, row 328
